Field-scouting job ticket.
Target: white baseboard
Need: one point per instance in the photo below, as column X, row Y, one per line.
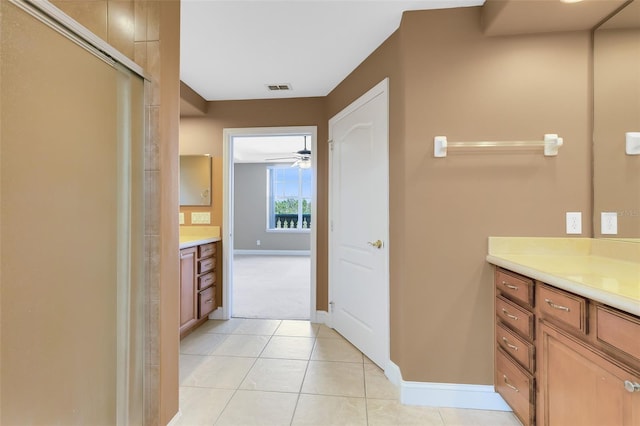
column 323, row 317
column 176, row 419
column 218, row 314
column 452, row 395
column 272, row 252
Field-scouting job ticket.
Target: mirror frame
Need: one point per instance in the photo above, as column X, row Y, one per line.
column 198, row 191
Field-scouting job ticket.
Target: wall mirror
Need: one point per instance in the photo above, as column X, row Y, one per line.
column 195, row 180
column 616, row 98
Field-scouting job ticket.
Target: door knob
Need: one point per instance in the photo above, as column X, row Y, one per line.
column 377, row 244
column 631, row 386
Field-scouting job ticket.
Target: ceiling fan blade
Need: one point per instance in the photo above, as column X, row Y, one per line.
column 282, row 158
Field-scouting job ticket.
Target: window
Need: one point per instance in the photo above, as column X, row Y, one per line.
column 289, row 198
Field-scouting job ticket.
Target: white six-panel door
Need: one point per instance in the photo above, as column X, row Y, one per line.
column 359, row 223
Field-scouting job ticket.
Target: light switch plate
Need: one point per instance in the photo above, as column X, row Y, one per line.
column 632, row 143
column 181, row 218
column 201, row 218
column 609, row 223
column 574, row 222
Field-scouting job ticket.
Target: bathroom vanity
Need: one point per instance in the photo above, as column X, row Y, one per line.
column 567, row 329
column 199, row 276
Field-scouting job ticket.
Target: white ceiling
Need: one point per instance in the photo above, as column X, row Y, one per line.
column 258, row 149
column 231, row 49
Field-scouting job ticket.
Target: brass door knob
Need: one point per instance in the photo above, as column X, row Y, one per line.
column 377, row 244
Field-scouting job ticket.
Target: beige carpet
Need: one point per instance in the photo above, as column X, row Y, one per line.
column 274, row 287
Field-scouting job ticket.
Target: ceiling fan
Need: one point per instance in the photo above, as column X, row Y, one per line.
column 302, row 157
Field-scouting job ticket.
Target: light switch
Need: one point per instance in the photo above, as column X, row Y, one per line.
column 574, row 222
column 632, row 145
column 201, row 218
column 609, row 223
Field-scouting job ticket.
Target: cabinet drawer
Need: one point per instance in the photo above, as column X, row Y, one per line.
column 515, row 287
column 206, row 280
column 206, row 265
column 562, row 306
column 619, row 330
column 515, row 317
column 206, row 302
column 519, row 349
column 516, row 387
column 206, row 250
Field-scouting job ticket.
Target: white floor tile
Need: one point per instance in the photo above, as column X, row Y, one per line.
column 288, row 347
column 392, row 413
column 201, row 343
column 334, row 378
column 279, row 375
column 297, row 329
column 335, row 350
column 322, row 410
column 241, row 345
column 220, row 372
column 258, row 408
column 377, row 385
column 201, row 406
column 462, row 417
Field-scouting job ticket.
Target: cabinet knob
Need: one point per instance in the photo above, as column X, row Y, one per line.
column 631, row 386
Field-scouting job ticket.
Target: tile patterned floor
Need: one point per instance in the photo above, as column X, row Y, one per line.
column 271, row 372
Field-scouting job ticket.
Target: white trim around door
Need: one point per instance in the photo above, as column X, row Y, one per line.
column 225, row 312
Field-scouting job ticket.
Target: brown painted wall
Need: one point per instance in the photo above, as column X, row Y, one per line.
column 459, row 83
column 204, row 134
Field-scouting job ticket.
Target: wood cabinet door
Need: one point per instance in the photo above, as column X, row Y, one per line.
column 580, row 386
column 188, row 298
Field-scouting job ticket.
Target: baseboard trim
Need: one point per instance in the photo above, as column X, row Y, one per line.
column 218, row 314
column 451, row 395
column 176, row 419
column 323, row 317
column 272, row 252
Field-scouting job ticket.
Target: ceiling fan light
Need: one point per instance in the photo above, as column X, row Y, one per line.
column 304, row 164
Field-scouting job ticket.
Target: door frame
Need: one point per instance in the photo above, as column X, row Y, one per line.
column 382, row 88
column 225, row 312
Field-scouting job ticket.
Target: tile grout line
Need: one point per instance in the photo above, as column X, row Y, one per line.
column 366, row 398
column 295, row 408
column 235, row 391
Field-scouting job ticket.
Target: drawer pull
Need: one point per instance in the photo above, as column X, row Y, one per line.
column 513, row 317
column 506, row 342
column 209, row 301
column 631, row 386
column 506, row 382
column 554, row 306
column 512, row 287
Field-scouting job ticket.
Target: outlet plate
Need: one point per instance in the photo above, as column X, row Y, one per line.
column 201, row 218
column 574, row 222
column 609, row 223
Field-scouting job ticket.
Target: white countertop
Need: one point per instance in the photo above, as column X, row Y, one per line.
column 191, row 241
column 605, row 271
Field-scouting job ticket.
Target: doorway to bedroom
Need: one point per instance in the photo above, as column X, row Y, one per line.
column 270, row 214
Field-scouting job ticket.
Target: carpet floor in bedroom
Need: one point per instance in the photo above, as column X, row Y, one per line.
column 271, row 287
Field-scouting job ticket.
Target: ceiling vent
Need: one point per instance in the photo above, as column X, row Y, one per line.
column 277, row 87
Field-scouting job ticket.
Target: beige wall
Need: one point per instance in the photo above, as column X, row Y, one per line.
column 149, row 33
column 204, row 134
column 459, row 83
